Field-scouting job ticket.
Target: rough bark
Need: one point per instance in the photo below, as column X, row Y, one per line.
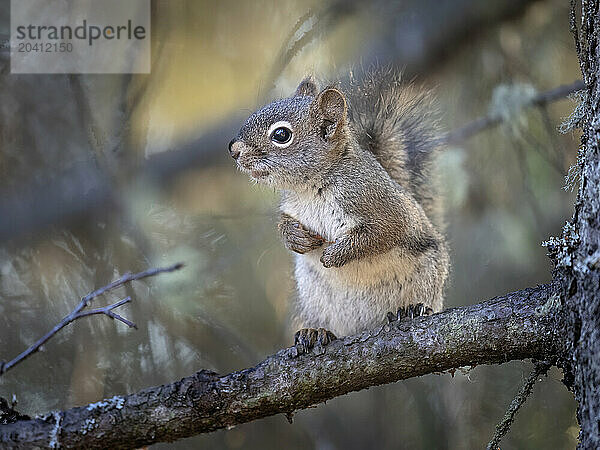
column 524, row 324
column 541, row 323
column 578, row 258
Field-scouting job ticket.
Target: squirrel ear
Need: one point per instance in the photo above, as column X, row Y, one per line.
column 332, row 107
column 307, row 88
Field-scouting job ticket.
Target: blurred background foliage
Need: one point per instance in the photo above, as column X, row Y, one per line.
column 91, row 186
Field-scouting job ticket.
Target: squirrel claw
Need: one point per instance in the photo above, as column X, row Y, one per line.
column 296, row 237
column 410, row 312
column 309, row 338
column 328, row 259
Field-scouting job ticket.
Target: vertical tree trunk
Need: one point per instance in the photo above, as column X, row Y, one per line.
column 579, row 256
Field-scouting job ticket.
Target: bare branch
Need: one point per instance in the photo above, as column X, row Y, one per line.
column 78, row 312
column 489, row 121
column 108, row 310
column 126, row 278
column 524, row 324
column 320, row 23
column 84, row 189
column 33, row 207
column 504, row 426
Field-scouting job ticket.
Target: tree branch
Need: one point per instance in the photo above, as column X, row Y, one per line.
column 577, row 253
column 432, row 31
column 492, row 120
column 520, row 325
column 78, row 312
column 504, row 426
column 83, row 189
column 33, row 207
column 108, row 310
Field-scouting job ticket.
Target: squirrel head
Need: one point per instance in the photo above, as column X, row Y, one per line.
column 291, row 142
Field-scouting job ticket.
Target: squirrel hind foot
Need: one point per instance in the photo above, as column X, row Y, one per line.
column 409, row 312
column 306, row 339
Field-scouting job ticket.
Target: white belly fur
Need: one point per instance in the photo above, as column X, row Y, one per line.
column 351, row 298
column 320, row 214
column 354, row 297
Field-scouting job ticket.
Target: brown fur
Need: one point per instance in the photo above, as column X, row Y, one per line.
column 359, row 206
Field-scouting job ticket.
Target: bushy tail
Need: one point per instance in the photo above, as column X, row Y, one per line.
column 398, row 123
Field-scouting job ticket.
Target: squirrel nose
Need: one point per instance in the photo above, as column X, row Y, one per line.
column 235, row 153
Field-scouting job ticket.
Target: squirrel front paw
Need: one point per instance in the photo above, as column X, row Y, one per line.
column 332, row 256
column 309, row 338
column 296, row 237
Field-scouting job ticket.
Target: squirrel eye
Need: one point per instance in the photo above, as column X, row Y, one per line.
column 281, row 135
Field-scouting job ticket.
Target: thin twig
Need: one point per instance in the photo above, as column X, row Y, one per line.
column 325, row 22
column 108, row 310
column 289, row 49
column 504, row 426
column 85, row 301
column 513, row 326
column 489, row 121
